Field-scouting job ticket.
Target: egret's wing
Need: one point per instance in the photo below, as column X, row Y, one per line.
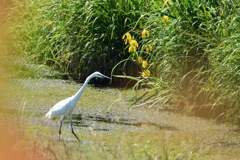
column 60, row 108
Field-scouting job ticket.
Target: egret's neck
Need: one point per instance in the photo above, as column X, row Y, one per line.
column 79, row 93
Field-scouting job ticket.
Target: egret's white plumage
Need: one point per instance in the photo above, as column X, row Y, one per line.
column 65, row 107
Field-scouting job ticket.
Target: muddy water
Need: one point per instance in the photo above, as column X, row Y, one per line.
column 106, row 111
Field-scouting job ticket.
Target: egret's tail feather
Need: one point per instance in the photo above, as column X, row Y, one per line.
column 48, row 114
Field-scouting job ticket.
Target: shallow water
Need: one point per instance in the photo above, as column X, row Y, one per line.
column 101, row 109
column 105, row 111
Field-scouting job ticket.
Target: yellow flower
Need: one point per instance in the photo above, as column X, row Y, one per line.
column 144, row 64
column 145, row 33
column 140, row 59
column 149, row 48
column 146, row 73
column 164, row 19
column 132, row 49
column 127, row 36
column 134, row 43
column 167, row 1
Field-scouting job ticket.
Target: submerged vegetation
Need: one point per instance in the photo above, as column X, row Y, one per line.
column 186, row 52
column 123, row 133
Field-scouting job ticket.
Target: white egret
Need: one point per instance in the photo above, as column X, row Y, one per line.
column 66, row 106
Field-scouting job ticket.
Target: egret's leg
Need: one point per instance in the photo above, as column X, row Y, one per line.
column 60, row 129
column 72, row 127
column 60, row 126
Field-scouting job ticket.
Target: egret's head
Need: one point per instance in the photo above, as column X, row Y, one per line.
column 99, row 75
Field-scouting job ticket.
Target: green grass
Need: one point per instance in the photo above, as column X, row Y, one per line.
column 38, row 142
column 79, row 37
column 120, row 147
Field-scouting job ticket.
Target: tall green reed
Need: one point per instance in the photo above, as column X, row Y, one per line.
column 195, row 58
column 75, row 37
column 104, row 24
